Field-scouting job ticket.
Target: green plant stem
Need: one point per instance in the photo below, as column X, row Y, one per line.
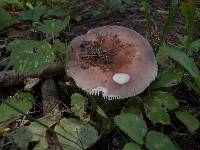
column 169, row 21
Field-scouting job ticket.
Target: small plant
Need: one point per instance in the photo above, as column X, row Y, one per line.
column 52, row 27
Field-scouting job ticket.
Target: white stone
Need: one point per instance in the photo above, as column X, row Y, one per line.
column 121, row 78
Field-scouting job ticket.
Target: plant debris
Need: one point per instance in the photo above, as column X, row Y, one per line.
column 97, row 53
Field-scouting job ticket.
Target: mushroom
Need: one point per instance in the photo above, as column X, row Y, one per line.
column 112, row 61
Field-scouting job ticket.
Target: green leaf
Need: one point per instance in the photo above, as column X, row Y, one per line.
column 158, row 141
column 193, row 46
column 104, row 119
column 145, row 6
column 155, row 112
column 38, row 134
column 30, row 57
column 78, row 105
column 116, row 5
column 157, row 104
column 167, row 78
column 182, row 59
column 33, row 133
column 165, row 100
column 5, row 19
column 60, row 49
column 21, row 137
column 80, row 135
column 131, row 146
column 16, row 3
column 52, row 27
column 188, row 120
column 33, row 15
column 133, row 125
column 194, row 85
column 22, row 101
column 133, row 106
column 57, row 12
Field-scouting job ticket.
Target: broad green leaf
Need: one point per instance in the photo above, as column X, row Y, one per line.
column 157, row 104
column 188, row 120
column 21, row 137
column 133, row 106
column 116, row 4
column 77, row 135
column 5, row 19
column 30, row 57
column 179, row 56
column 166, row 100
column 133, row 125
column 52, row 27
column 58, row 12
column 158, row 141
column 78, row 105
column 167, row 78
column 38, row 134
column 22, row 101
column 131, row 146
column 155, row 112
column 60, row 49
column 33, row 15
column 33, row 133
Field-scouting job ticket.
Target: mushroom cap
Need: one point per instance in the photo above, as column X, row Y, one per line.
column 127, row 65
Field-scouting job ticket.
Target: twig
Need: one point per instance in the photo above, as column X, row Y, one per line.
column 4, row 62
column 10, row 77
column 50, row 99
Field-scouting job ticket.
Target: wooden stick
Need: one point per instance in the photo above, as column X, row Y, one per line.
column 10, row 77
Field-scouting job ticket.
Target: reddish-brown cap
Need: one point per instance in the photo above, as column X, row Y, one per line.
column 112, row 60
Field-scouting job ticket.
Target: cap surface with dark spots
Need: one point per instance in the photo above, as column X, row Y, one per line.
column 112, row 60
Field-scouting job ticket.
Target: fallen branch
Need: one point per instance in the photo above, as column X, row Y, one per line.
column 3, row 62
column 10, row 77
column 50, row 100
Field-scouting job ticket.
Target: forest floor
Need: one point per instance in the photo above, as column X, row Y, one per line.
column 150, row 25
